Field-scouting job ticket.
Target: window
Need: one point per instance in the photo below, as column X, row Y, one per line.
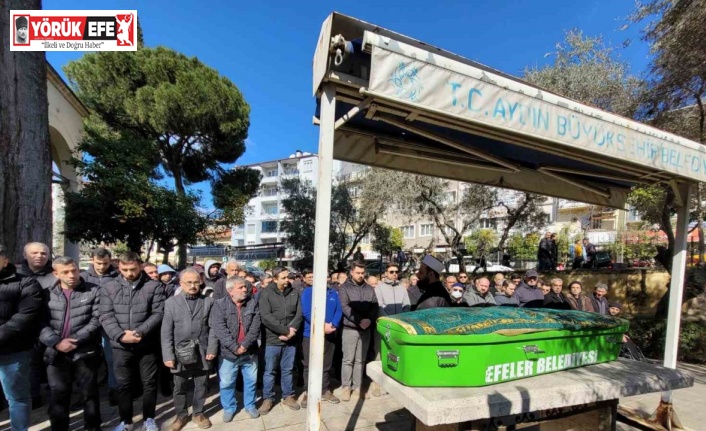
column 365, row 239
column 269, row 191
column 426, row 229
column 596, row 222
column 251, row 229
column 488, row 223
column 269, row 227
column 407, row 231
column 449, row 198
column 307, row 166
column 353, row 191
column 271, row 172
column 449, row 231
column 251, row 242
column 270, row 209
column 633, row 215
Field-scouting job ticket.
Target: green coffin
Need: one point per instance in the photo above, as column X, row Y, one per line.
column 484, row 346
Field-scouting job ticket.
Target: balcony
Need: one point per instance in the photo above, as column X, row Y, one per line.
column 269, row 197
column 269, row 179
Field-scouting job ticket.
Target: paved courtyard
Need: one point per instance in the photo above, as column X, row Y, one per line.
column 380, row 414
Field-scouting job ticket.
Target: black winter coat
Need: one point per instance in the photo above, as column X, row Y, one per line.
column 139, row 308
column 556, row 301
column 358, row 302
column 225, row 326
column 435, row 295
column 90, row 276
column 45, row 276
column 20, row 310
column 279, row 311
column 85, row 326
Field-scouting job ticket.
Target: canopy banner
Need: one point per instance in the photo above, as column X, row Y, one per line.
column 491, row 100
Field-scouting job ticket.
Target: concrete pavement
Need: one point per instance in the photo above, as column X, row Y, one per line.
column 381, row 414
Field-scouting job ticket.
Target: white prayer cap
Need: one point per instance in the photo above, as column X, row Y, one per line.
column 435, row 264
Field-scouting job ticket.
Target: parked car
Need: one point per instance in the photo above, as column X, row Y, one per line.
column 255, row 270
column 375, row 268
column 603, row 259
column 470, row 263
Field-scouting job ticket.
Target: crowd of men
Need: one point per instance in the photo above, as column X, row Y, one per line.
column 528, row 290
column 153, row 328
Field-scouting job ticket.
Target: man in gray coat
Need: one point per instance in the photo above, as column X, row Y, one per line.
column 479, row 295
column 186, row 319
column 392, row 299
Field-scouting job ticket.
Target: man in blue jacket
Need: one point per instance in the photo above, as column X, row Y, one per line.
column 333, row 321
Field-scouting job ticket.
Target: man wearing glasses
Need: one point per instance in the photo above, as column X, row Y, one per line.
column 527, row 293
column 392, row 299
column 463, row 279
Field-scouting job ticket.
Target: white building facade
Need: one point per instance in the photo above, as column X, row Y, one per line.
column 265, row 212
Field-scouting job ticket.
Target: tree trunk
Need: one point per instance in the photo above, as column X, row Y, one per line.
column 181, row 191
column 25, row 146
column 511, row 221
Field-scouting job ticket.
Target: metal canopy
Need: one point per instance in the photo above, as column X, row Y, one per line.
column 404, row 105
column 386, row 100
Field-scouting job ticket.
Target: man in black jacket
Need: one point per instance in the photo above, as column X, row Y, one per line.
column 131, row 307
column 360, row 309
column 281, row 314
column 555, row 298
column 235, row 322
column 99, row 272
column 36, row 264
column 71, row 334
column 20, row 308
column 434, row 294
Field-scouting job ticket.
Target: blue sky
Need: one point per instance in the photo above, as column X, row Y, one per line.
column 266, row 48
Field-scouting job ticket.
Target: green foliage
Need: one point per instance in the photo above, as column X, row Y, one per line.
column 480, row 242
column 349, row 224
column 649, row 200
column 120, row 248
column 650, row 335
column 523, row 247
column 587, row 70
column 267, row 264
column 187, row 118
column 387, row 239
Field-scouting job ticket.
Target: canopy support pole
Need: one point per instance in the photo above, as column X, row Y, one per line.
column 665, row 416
column 321, row 246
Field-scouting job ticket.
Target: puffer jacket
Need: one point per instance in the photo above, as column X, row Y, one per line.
column 473, row 298
column 358, row 302
column 137, row 306
column 45, row 276
column 90, row 276
column 84, row 314
column 20, row 310
column 279, row 311
column 225, row 326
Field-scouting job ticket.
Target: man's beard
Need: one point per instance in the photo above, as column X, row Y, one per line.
column 423, row 283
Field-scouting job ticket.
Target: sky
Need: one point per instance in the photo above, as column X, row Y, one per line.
column 266, row 48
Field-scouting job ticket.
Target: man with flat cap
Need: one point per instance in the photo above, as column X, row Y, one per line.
column 21, row 25
column 434, row 294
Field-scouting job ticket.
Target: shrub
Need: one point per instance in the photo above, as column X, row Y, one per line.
column 650, row 335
